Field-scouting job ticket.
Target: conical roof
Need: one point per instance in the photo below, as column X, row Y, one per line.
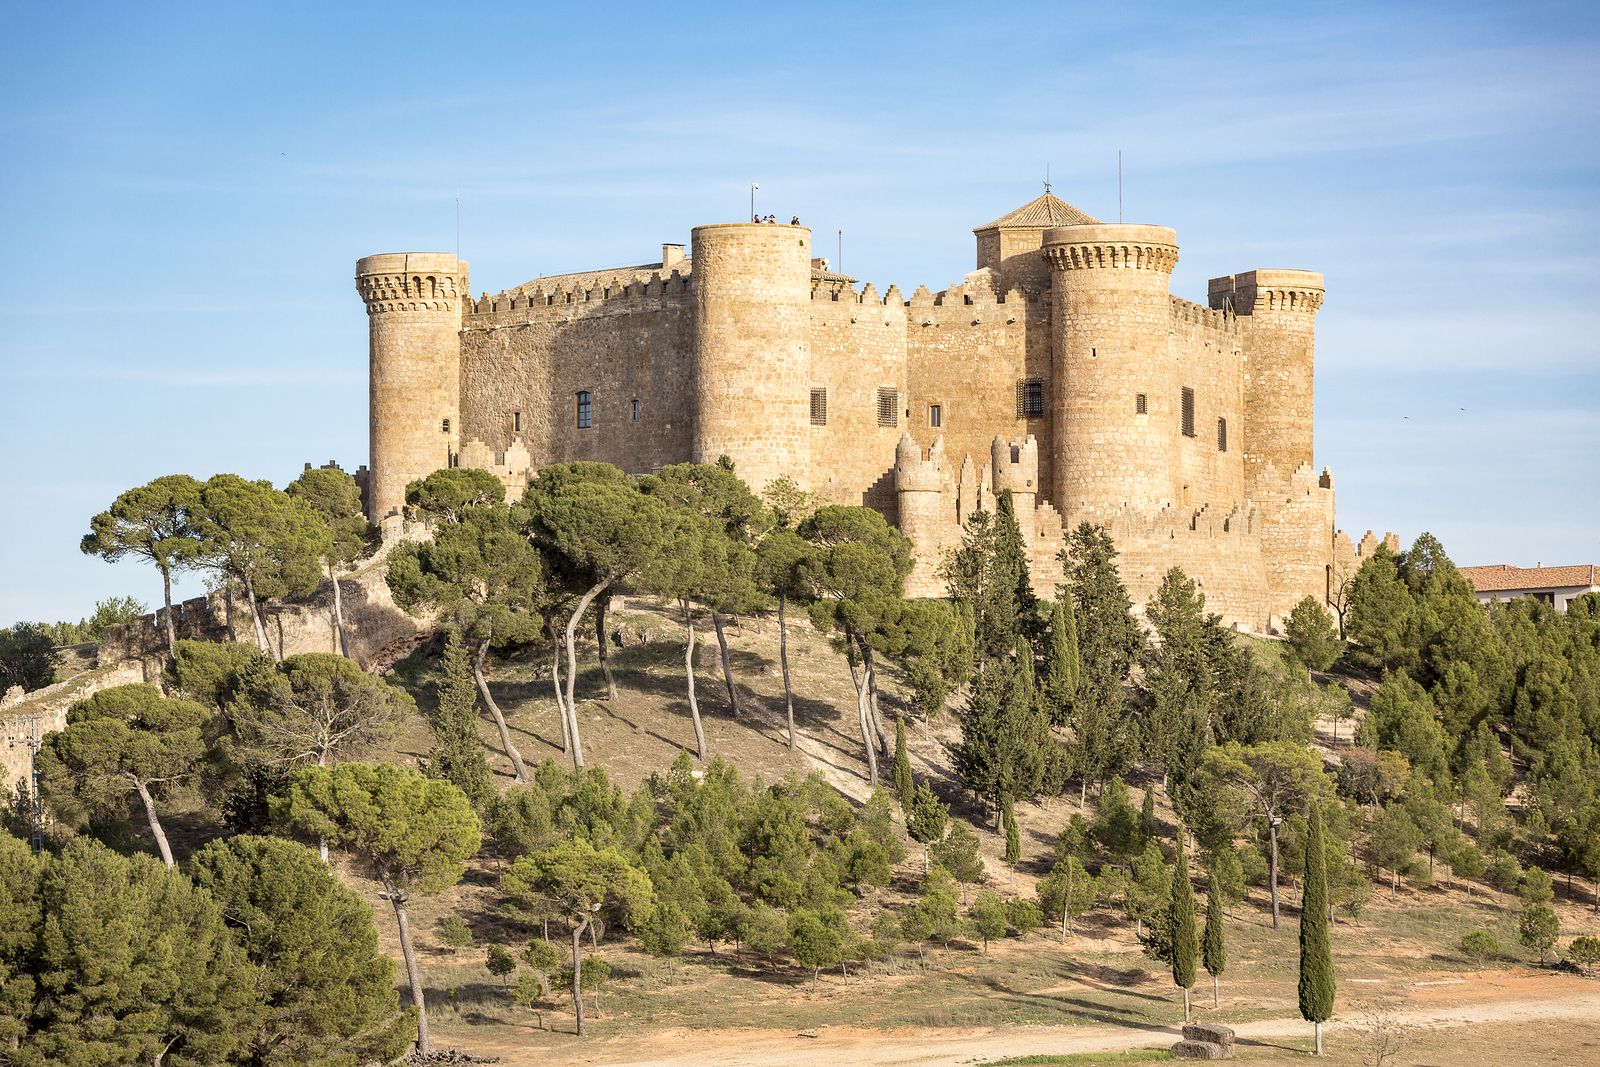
column 1041, row 212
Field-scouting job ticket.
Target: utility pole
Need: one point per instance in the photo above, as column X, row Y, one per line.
column 1119, row 185
column 753, row 187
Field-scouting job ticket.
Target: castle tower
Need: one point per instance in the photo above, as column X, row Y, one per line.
column 1277, row 312
column 927, row 513
column 1016, row 467
column 1013, row 244
column 1117, row 399
column 414, row 321
column 752, row 307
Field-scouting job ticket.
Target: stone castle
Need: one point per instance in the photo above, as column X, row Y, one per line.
column 1062, row 369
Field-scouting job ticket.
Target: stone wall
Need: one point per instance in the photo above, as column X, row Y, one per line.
column 858, row 346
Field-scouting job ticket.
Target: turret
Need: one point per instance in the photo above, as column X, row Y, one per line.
column 1016, row 467
column 752, row 362
column 1118, row 404
column 927, row 515
column 1277, row 312
column 414, row 318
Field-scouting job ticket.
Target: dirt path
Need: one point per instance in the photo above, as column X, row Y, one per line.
column 1509, row 999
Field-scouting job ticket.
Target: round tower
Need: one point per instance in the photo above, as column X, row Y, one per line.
column 1016, row 467
column 414, row 327
column 1277, row 312
column 752, row 357
column 1118, row 404
column 924, row 514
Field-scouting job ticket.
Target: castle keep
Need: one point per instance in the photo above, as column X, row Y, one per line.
column 1062, row 368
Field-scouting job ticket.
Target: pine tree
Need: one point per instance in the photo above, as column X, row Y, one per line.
column 903, row 783
column 1213, row 945
column 1182, row 919
column 1316, row 953
column 457, row 753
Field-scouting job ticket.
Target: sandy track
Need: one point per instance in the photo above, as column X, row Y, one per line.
column 1507, row 999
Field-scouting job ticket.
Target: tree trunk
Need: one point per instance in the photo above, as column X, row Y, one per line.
column 338, row 612
column 717, row 621
column 866, row 729
column 688, row 673
column 155, row 823
column 255, row 620
column 1317, row 1028
column 577, row 974
column 166, row 595
column 1272, row 879
column 1185, row 1003
column 555, row 680
column 1214, row 1001
column 783, row 660
column 512, row 754
column 884, row 744
column 600, row 607
column 397, row 900
column 572, row 665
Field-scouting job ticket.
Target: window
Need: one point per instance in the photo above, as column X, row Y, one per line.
column 888, row 407
column 1188, row 412
column 935, row 415
column 1030, row 398
column 1141, row 404
column 516, row 421
column 636, row 410
column 1222, row 435
column 446, row 427
column 819, row 407
column 585, row 411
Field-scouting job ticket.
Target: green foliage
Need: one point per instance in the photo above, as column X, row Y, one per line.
column 1312, row 640
column 1023, row 915
column 1585, row 950
column 987, row 914
column 335, row 498
column 1480, row 946
column 1147, row 899
column 442, row 496
column 1069, row 890
column 958, row 853
column 1402, row 717
column 818, row 938
column 1536, row 886
column 213, row 672
column 409, row 832
column 316, row 708
column 1503, row 871
column 1316, row 950
column 933, row 917
column 325, row 988
column 113, row 611
column 926, row 817
column 454, row 931
column 159, row 522
column 1180, row 676
column 1008, row 815
column 1394, row 838
column 1116, row 827
column 499, row 963
column 1109, row 641
column 1537, row 929
column 1063, row 668
column 1381, row 606
column 268, row 542
column 27, row 656
column 583, row 883
column 1005, row 736
column 457, row 753
column 904, row 785
column 1213, row 939
column 789, row 504
column 1185, row 945
column 129, row 963
column 665, row 931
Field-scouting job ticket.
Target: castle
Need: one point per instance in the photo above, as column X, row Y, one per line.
column 1062, row 369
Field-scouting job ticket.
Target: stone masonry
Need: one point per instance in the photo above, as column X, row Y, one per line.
column 1061, row 368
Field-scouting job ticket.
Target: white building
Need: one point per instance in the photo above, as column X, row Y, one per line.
column 1556, row 586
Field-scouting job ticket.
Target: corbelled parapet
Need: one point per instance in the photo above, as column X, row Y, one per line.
column 1257, row 291
column 411, row 281
column 1112, row 245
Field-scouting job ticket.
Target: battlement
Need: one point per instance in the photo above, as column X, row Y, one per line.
column 410, row 281
column 1015, row 465
column 1122, row 245
column 1189, row 313
column 514, row 467
column 916, row 473
column 1258, row 291
column 531, row 298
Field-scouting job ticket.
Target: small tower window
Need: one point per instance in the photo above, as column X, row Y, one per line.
column 585, row 411
column 1030, row 398
column 516, row 422
column 1222, row 435
column 888, row 407
column 446, row 427
column 819, row 407
column 1188, row 412
column 1141, row 404
column 636, row 409
column 935, row 415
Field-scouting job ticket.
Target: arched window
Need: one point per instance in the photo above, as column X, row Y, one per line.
column 585, row 410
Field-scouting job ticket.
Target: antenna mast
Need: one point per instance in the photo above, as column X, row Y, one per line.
column 1119, row 185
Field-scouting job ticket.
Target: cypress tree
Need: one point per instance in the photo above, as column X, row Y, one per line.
column 1008, row 814
column 1183, row 939
column 1316, row 953
column 1063, row 669
column 903, row 784
column 1213, row 946
column 1147, row 816
column 457, row 753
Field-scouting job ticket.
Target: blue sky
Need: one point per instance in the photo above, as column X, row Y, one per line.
column 186, row 190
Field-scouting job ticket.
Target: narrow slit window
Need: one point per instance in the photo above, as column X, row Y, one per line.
column 819, row 407
column 1141, row 404
column 516, row 422
column 636, row 410
column 585, row 411
column 935, row 415
column 888, row 407
column 1188, row 412
column 1222, row 435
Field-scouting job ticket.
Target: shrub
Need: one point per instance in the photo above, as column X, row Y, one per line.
column 1503, row 871
column 1585, row 952
column 1023, row 915
column 454, row 932
column 1479, row 946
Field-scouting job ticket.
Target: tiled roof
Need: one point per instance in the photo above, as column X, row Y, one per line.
column 1047, row 210
column 1503, row 576
column 555, row 283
